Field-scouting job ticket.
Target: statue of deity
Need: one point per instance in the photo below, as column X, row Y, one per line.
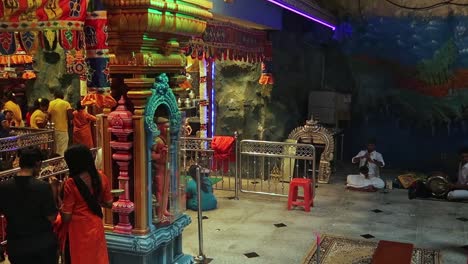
column 187, row 128
column 160, row 172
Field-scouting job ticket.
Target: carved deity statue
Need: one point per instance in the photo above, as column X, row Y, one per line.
column 161, row 176
column 187, row 128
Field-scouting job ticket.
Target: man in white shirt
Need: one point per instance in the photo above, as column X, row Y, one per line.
column 371, row 159
column 460, row 189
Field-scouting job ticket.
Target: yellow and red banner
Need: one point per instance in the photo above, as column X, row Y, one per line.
column 26, row 15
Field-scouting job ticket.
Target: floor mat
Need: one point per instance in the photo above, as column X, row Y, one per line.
column 341, row 250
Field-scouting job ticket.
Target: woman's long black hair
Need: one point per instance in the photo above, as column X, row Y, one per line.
column 79, row 160
column 193, row 173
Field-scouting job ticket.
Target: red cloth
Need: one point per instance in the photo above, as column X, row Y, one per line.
column 28, row 118
column 3, row 229
column 85, row 230
column 389, row 252
column 60, row 229
column 223, row 152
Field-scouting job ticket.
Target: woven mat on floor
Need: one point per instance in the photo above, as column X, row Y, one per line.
column 340, row 250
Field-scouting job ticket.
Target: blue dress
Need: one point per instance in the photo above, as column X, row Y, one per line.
column 208, row 199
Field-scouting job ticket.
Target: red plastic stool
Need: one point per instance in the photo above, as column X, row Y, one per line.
column 307, row 200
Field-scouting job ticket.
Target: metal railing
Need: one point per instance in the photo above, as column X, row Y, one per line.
column 21, row 138
column 199, row 151
column 55, row 167
column 266, row 167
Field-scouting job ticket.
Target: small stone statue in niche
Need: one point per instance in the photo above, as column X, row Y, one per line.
column 159, row 159
column 187, row 128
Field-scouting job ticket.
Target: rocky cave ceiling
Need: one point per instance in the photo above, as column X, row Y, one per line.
column 427, row 8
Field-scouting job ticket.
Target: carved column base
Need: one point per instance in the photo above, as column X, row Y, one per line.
column 124, row 208
column 123, row 229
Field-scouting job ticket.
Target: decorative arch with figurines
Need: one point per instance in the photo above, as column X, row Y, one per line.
column 162, row 96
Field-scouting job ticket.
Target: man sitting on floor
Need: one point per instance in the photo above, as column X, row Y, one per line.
column 364, row 181
column 460, row 189
column 373, row 161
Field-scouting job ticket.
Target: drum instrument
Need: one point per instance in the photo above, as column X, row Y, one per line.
column 438, row 185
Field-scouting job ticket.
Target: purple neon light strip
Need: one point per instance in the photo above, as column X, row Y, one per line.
column 302, row 14
column 213, row 110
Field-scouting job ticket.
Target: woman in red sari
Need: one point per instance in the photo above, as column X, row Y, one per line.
column 82, row 126
column 84, row 193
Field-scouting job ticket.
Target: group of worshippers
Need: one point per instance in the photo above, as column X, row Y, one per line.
column 370, row 162
column 47, row 220
column 57, row 113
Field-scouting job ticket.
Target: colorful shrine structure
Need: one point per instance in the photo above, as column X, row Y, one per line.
column 135, row 46
column 145, row 39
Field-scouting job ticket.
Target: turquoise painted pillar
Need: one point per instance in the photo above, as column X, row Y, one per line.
column 162, row 245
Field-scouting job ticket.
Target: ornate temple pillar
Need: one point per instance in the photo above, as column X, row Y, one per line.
column 106, row 161
column 204, row 99
column 139, row 92
column 145, row 42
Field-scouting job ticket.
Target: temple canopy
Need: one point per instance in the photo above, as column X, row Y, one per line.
column 223, row 40
column 43, row 22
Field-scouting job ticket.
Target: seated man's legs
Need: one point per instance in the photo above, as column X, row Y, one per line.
column 356, row 181
column 359, row 181
column 377, row 182
column 458, row 195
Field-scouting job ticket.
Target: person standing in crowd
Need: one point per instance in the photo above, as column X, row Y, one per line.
column 11, row 105
column 82, row 121
column 5, row 119
column 8, row 116
column 39, row 117
column 208, row 200
column 31, row 111
column 30, row 210
column 61, row 113
column 83, row 195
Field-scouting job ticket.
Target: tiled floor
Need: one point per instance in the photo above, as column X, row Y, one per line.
column 259, row 229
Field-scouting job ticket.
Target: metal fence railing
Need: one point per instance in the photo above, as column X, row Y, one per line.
column 266, row 167
column 199, row 151
column 21, row 138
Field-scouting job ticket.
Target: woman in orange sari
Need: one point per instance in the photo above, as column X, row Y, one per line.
column 82, row 126
column 84, row 193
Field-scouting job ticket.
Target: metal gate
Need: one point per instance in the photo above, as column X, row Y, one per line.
column 266, row 167
column 199, row 151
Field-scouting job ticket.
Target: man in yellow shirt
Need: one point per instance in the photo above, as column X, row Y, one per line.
column 12, row 106
column 39, row 116
column 61, row 113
